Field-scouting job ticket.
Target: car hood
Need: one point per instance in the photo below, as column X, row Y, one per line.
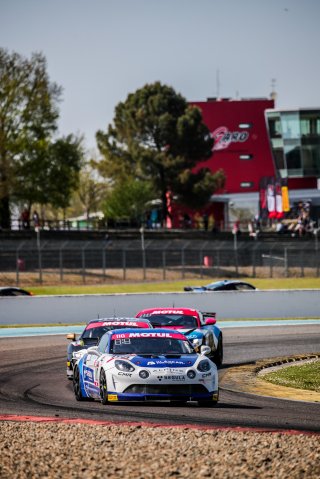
column 168, row 361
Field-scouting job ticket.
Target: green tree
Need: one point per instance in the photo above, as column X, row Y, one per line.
column 157, row 136
column 51, row 174
column 91, row 191
column 128, row 200
column 28, row 118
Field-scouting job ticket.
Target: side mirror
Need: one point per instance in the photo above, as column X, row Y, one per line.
column 205, row 350
column 71, row 336
column 210, row 321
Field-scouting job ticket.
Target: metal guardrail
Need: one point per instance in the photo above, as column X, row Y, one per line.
column 154, row 259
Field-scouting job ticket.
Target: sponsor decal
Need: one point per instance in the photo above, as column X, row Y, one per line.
column 167, row 311
column 171, row 378
column 167, row 362
column 206, row 375
column 120, row 373
column 194, row 335
column 88, row 374
column 112, row 397
column 168, row 371
column 148, row 335
column 134, row 324
column 223, row 137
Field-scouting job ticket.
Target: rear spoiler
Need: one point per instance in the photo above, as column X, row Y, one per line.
column 208, row 315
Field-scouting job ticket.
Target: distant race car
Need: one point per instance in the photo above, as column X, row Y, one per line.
column 92, row 333
column 199, row 327
column 145, row 364
column 225, row 285
column 14, row 291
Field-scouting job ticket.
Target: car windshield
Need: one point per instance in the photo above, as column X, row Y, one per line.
column 217, row 284
column 173, row 320
column 126, row 344
column 97, row 330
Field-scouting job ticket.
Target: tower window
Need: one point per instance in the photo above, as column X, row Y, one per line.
column 246, row 184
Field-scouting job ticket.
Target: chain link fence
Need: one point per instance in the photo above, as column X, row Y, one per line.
column 98, row 261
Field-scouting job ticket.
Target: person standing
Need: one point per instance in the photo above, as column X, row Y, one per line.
column 36, row 221
column 25, row 218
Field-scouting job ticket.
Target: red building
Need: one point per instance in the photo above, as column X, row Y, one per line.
column 256, row 144
column 241, row 143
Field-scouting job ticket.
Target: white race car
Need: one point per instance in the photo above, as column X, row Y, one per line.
column 146, row 364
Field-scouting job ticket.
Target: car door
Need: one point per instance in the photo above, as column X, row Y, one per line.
column 90, row 371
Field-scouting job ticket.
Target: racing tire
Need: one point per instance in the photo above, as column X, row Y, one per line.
column 76, row 384
column 103, row 387
column 218, row 354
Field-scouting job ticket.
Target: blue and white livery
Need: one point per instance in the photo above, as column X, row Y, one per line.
column 146, row 364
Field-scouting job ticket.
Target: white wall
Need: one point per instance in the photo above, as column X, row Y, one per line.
column 227, row 305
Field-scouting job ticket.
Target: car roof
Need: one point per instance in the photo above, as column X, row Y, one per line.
column 3, row 288
column 107, row 320
column 227, row 281
column 186, row 311
column 14, row 288
column 161, row 331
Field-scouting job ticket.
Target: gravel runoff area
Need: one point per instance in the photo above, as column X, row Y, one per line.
column 62, row 450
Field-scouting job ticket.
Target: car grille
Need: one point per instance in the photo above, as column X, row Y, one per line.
column 186, row 389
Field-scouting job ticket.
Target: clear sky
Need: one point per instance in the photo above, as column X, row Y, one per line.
column 99, row 51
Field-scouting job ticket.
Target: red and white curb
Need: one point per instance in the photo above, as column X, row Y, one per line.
column 41, row 419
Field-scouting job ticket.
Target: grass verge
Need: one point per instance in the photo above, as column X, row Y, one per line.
column 304, row 376
column 171, row 286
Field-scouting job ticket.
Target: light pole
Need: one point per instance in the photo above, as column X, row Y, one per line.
column 37, row 230
column 143, row 252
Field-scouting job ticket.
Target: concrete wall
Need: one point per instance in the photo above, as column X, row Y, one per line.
column 227, row 305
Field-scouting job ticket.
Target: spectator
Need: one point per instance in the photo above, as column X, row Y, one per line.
column 25, row 218
column 236, row 228
column 35, row 217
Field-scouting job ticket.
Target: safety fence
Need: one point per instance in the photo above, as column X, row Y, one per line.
column 99, row 261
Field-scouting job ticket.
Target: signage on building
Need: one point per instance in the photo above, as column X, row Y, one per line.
column 223, row 137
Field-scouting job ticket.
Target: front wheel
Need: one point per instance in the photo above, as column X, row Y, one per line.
column 76, row 384
column 103, row 387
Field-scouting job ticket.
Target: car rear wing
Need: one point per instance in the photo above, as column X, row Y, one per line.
column 208, row 315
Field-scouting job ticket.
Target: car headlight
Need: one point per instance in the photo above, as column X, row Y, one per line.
column 204, row 366
column 191, row 374
column 123, row 366
column 196, row 342
column 79, row 354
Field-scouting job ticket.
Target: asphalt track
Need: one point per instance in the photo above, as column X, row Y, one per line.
column 33, row 382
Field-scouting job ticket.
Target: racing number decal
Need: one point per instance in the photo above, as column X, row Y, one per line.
column 122, row 341
column 112, row 397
